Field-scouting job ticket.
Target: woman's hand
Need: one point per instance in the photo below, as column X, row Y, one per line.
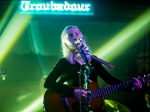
column 137, row 83
column 81, row 95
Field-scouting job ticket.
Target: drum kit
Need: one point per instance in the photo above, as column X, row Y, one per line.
column 113, row 106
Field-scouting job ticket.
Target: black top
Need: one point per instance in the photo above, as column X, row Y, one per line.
column 69, row 72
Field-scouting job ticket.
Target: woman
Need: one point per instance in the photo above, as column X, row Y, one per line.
column 76, row 61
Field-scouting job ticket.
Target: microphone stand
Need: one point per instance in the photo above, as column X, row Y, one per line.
column 108, row 64
column 86, row 72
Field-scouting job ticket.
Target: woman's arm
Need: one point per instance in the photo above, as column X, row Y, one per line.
column 50, row 83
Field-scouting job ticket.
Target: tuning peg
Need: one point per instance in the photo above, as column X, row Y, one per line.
column 3, row 78
column 79, row 72
column 148, row 84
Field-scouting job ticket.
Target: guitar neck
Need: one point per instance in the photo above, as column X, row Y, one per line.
column 111, row 89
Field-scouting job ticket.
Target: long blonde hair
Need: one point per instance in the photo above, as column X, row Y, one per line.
column 66, row 51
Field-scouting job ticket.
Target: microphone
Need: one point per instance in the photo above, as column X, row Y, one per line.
column 108, row 64
column 78, row 42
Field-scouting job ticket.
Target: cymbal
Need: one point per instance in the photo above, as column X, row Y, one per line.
column 113, row 106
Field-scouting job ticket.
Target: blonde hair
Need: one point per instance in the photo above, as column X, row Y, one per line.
column 66, row 51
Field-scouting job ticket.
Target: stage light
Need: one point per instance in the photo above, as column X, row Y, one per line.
column 125, row 38
column 12, row 32
column 6, row 15
column 34, row 106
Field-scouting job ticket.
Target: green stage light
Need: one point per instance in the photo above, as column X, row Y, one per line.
column 35, row 105
column 12, row 32
column 125, row 38
column 6, row 15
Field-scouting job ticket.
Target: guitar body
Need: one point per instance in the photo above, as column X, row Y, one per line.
column 53, row 101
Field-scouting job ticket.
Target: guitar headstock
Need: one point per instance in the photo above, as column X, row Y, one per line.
column 146, row 79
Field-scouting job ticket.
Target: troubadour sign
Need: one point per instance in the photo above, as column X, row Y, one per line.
column 56, row 8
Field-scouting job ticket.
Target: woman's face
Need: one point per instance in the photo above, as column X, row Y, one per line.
column 74, row 38
column 147, row 98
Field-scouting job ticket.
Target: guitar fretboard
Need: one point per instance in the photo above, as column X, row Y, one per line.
column 111, row 89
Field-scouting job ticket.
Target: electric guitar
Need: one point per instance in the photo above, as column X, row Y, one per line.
column 53, row 101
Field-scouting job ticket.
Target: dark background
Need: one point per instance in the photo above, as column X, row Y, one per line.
column 26, row 66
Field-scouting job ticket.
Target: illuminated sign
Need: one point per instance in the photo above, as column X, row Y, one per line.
column 56, row 8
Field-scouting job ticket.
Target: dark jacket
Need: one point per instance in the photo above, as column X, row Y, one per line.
column 69, row 72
